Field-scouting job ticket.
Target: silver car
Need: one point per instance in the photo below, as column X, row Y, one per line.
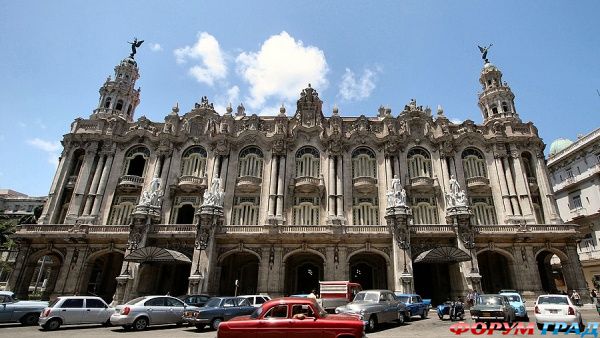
column 375, row 307
column 141, row 312
column 24, row 311
column 75, row 310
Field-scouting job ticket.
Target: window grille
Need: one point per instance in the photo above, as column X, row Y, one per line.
column 245, row 210
column 473, row 163
column 365, row 211
column 194, row 162
column 308, row 162
column 306, row 211
column 251, row 162
column 419, row 163
column 484, row 212
column 364, row 163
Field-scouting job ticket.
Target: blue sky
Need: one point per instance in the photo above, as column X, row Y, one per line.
column 55, row 55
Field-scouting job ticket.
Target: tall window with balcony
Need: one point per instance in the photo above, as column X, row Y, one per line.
column 135, row 161
column 245, row 210
column 424, row 210
column 365, row 211
column 184, row 209
column 193, row 162
column 364, row 163
column 251, row 161
column 306, row 211
column 484, row 212
column 120, row 213
column 474, row 164
column 308, row 162
column 419, row 163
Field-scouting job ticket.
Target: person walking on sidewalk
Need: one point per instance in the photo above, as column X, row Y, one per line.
column 594, row 296
column 576, row 298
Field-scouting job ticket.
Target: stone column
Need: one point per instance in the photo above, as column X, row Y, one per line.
column 339, row 190
column 511, row 187
column 82, row 183
column 205, row 249
column 19, row 278
column 264, row 269
column 503, row 186
column 331, row 183
column 522, row 188
column 546, row 194
column 273, row 186
column 280, row 186
column 94, row 187
column 102, row 185
column 397, row 220
column 573, row 273
column 329, row 264
column 57, row 189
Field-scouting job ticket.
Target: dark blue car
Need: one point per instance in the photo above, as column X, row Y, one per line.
column 415, row 306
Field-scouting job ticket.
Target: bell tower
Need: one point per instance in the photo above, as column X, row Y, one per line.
column 118, row 97
column 496, row 101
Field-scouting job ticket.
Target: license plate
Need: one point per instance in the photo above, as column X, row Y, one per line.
column 553, row 311
column 486, row 314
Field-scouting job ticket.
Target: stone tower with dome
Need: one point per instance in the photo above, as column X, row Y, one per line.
column 398, row 199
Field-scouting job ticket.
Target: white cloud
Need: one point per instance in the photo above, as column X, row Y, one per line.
column 51, row 148
column 221, row 102
column 156, row 47
column 455, row 120
column 281, row 69
column 207, row 51
column 353, row 89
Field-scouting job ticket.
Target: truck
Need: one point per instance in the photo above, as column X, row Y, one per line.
column 337, row 293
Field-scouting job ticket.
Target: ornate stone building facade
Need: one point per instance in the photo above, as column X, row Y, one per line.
column 405, row 201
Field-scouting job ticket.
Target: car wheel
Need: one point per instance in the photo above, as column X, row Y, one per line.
column 540, row 326
column 200, row 327
column 140, row 324
column 107, row 323
column 400, row 319
column 372, row 324
column 30, row 319
column 441, row 316
column 424, row 314
column 215, row 323
column 52, row 324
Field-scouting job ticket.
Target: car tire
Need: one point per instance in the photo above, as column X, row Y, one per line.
column 540, row 326
column 424, row 314
column 107, row 323
column 30, row 319
column 372, row 324
column 52, row 324
column 400, row 319
column 441, row 316
column 200, row 327
column 214, row 324
column 140, row 324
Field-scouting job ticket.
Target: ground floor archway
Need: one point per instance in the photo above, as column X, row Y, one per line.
column 303, row 271
column 242, row 267
column 101, row 273
column 437, row 281
column 369, row 270
column 550, row 270
column 163, row 278
column 41, row 276
column 496, row 272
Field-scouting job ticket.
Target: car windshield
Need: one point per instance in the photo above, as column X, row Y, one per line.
column 52, row 303
column 513, row 298
column 489, row 300
column 256, row 313
column 367, row 296
column 214, row 302
column 553, row 300
column 403, row 299
column 135, row 301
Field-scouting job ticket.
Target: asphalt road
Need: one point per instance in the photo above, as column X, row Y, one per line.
column 429, row 327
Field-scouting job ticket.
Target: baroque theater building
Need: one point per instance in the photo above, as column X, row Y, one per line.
column 225, row 202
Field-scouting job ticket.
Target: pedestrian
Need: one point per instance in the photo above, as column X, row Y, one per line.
column 594, row 296
column 576, row 298
column 470, row 298
column 312, row 294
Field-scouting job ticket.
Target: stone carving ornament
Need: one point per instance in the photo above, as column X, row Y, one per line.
column 152, row 197
column 214, row 195
column 455, row 197
column 396, row 196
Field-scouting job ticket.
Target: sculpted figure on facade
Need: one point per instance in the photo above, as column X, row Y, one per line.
column 214, row 195
column 396, row 196
column 152, row 197
column 455, row 197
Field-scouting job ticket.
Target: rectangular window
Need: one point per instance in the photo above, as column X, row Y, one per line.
column 576, row 202
column 72, row 303
column 569, row 173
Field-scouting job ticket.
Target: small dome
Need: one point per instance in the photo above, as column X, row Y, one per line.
column 559, row 145
column 488, row 67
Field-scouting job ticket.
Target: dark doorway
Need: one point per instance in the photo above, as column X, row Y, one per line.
column 303, row 273
column 185, row 214
column 550, row 270
column 105, row 269
column 136, row 166
column 369, row 270
column 163, row 278
column 242, row 267
column 495, row 272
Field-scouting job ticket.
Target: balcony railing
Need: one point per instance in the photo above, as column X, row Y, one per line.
column 191, row 183
column 421, row 183
column 249, row 183
column 578, row 212
column 364, row 184
column 131, row 181
column 307, row 184
column 478, row 182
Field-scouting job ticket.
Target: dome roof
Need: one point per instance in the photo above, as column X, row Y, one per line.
column 488, row 67
column 559, row 145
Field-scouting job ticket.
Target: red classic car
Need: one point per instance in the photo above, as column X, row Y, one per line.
column 292, row 317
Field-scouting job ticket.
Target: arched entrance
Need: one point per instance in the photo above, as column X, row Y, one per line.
column 42, row 276
column 303, row 271
column 243, row 267
column 551, row 274
column 102, row 273
column 161, row 271
column 495, row 270
column 369, row 270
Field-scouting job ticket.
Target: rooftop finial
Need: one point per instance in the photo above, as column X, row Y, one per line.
column 484, row 51
column 134, row 45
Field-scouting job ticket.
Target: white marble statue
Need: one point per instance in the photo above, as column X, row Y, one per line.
column 214, row 195
column 455, row 197
column 396, row 197
column 153, row 195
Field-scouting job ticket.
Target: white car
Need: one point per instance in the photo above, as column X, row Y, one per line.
column 75, row 310
column 556, row 308
column 256, row 300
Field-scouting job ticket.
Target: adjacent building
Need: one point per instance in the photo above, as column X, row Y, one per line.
column 575, row 176
column 220, row 202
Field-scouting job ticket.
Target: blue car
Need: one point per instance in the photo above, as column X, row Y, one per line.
column 517, row 302
column 415, row 306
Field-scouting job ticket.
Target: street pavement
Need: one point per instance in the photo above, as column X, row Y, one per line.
column 429, row 327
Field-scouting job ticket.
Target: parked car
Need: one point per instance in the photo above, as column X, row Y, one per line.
column 375, row 307
column 492, row 307
column 24, row 311
column 141, row 312
column 414, row 304
column 257, row 300
column 337, row 293
column 556, row 308
column 292, row 317
column 195, row 300
column 75, row 310
column 453, row 309
column 217, row 310
column 517, row 302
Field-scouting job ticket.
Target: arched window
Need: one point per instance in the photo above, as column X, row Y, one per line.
column 306, row 211
column 494, row 109
column 473, row 163
column 251, row 162
column 107, row 102
column 484, row 212
column 77, row 163
column 119, row 106
column 308, row 162
column 364, row 163
column 135, row 161
column 419, row 163
column 365, row 211
column 120, row 213
column 424, row 210
column 527, row 161
column 193, row 162
column 504, row 107
column 184, row 209
column 245, row 210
